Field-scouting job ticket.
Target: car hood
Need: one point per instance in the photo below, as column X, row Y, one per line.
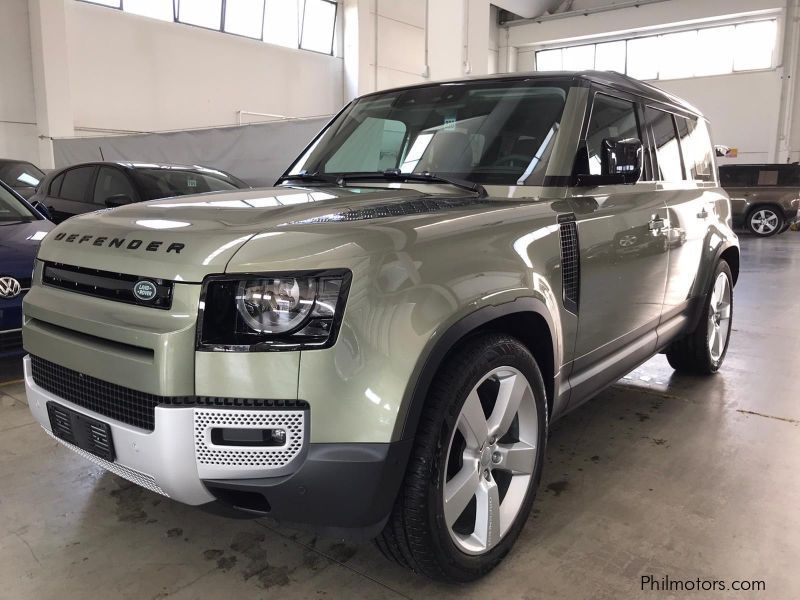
column 19, row 242
column 187, row 238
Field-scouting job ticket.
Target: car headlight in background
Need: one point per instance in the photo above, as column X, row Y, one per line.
column 282, row 311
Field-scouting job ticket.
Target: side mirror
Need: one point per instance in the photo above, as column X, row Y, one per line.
column 118, row 200
column 620, row 163
column 622, row 157
column 41, row 209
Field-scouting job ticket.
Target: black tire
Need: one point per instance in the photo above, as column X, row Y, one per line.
column 760, row 210
column 691, row 354
column 416, row 535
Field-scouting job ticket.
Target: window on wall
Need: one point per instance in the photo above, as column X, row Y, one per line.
column 155, row 9
column 244, row 17
column 303, row 24
column 319, row 19
column 203, row 13
column 694, row 53
column 282, row 22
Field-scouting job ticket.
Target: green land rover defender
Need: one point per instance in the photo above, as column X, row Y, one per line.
column 377, row 346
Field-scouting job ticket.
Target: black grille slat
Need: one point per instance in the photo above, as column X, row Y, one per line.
column 126, row 405
column 570, row 264
column 106, row 284
column 108, row 399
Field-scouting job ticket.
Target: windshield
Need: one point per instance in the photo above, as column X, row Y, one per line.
column 162, row 183
column 486, row 132
column 20, row 174
column 12, row 209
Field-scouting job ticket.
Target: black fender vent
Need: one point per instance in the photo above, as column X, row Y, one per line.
column 570, row 263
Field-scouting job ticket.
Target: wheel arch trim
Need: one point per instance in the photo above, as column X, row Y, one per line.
column 427, row 366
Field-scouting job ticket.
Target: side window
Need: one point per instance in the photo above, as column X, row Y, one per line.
column 789, row 176
column 736, row 176
column 75, row 183
column 111, row 182
column 375, row 145
column 55, row 186
column 697, row 152
column 611, row 118
column 767, row 177
column 668, row 153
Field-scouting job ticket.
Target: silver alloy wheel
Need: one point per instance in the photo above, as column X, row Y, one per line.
column 479, row 512
column 719, row 317
column 764, row 221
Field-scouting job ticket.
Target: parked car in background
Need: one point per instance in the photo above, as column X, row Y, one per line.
column 764, row 198
column 21, row 230
column 93, row 186
column 20, row 175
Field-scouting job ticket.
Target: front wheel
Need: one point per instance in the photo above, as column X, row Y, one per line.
column 702, row 350
column 765, row 221
column 476, row 464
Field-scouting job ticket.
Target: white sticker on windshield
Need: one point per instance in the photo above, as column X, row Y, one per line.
column 191, row 183
column 449, row 122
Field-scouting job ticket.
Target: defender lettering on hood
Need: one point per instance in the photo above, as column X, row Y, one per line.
column 117, row 242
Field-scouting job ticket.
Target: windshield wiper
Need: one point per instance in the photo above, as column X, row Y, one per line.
column 308, row 177
column 426, row 177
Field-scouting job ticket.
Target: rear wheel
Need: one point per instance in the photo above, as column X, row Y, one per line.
column 477, row 462
column 703, row 350
column 765, row 221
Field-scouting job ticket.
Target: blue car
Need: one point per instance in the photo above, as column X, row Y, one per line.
column 21, row 229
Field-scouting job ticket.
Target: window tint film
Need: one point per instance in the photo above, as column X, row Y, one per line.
column 75, row 183
column 611, row 118
column 55, row 186
column 667, row 151
column 163, row 183
column 111, row 182
column 486, row 132
column 789, row 175
column 736, row 176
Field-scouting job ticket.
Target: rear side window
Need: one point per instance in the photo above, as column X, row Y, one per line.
column 611, row 118
column 163, row 183
column 111, row 182
column 668, row 152
column 75, row 183
column 55, row 186
column 789, row 175
column 730, row 176
column 698, row 155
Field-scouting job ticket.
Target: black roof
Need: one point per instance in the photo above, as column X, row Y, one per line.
column 607, row 78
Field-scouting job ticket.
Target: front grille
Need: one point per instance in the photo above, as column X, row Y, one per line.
column 111, row 286
column 10, row 341
column 570, row 264
column 126, row 405
column 115, row 401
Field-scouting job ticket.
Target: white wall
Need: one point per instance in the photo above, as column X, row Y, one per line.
column 17, row 110
column 400, row 41
column 743, row 107
column 137, row 74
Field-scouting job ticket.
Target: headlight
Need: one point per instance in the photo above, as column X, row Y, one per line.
column 272, row 312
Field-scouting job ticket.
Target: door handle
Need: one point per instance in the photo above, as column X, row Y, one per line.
column 656, row 223
column 702, row 214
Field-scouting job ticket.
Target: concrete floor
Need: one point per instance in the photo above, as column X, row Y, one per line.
column 660, row 475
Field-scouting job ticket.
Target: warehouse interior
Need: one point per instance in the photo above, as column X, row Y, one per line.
column 662, row 476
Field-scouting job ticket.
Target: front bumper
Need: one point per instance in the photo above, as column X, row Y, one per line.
column 336, row 488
